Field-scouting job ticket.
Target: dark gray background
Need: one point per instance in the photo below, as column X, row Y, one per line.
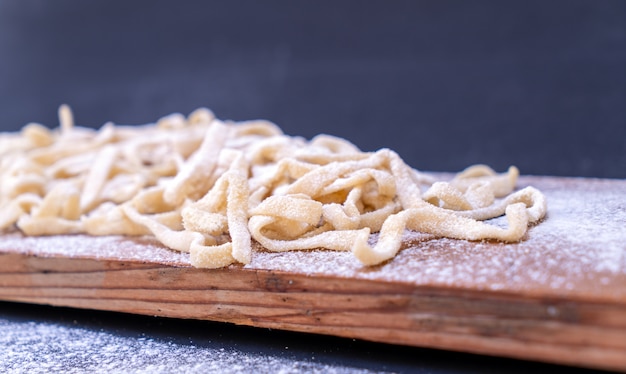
column 541, row 85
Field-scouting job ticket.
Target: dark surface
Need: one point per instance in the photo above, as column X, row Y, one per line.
column 116, row 339
column 541, row 85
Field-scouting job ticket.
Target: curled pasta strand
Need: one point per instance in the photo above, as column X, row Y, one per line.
column 346, row 216
column 532, row 198
column 14, row 209
column 334, row 145
column 57, row 212
column 408, row 193
column 283, row 173
column 37, row 135
column 210, row 256
column 191, row 180
column 443, row 195
column 334, row 240
column 480, row 194
column 179, row 240
column 200, row 116
column 313, row 182
column 502, row 184
column 261, row 128
column 438, row 222
column 62, row 201
column 223, row 209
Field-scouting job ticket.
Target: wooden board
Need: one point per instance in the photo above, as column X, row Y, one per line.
column 558, row 296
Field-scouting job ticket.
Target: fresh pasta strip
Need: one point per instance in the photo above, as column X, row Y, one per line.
column 212, row 188
column 440, row 223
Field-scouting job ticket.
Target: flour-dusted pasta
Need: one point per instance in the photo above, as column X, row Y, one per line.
column 211, row 188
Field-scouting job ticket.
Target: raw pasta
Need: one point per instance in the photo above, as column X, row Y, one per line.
column 212, row 188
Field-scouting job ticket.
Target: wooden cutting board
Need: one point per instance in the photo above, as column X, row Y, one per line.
column 558, row 296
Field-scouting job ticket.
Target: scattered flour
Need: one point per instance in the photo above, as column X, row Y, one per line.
column 38, row 347
column 98, row 247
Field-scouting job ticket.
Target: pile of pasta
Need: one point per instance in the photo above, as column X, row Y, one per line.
column 212, row 188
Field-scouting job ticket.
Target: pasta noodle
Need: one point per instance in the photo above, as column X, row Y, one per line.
column 212, row 188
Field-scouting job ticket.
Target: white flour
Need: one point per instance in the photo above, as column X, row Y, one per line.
column 39, row 347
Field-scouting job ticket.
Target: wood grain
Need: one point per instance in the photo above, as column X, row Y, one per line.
column 526, row 316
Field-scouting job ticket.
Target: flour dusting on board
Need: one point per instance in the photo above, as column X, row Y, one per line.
column 98, row 247
column 579, row 249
